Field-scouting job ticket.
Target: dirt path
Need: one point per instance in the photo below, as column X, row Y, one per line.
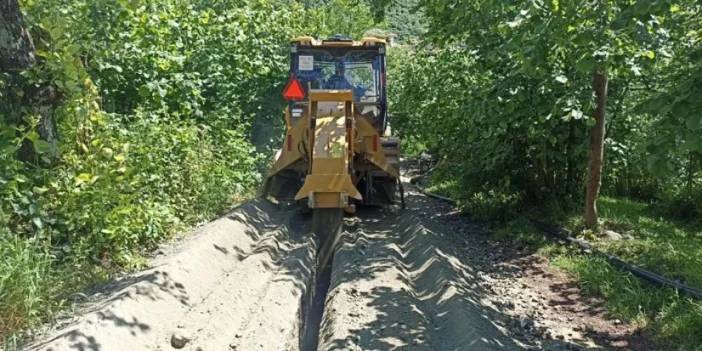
column 424, row 278
column 427, row 279
column 395, row 285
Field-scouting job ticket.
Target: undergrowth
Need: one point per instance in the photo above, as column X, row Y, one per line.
column 26, row 281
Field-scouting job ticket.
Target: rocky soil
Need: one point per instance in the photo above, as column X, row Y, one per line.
column 424, row 278
column 429, row 279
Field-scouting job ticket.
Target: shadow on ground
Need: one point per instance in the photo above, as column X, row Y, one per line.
column 124, row 306
column 417, row 278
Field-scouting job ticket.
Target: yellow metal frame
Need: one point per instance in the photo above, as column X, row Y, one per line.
column 329, row 134
column 366, row 41
column 328, row 183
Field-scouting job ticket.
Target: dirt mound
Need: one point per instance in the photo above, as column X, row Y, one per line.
column 398, row 284
column 236, row 284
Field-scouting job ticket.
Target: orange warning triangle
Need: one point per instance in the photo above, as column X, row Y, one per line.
column 293, row 91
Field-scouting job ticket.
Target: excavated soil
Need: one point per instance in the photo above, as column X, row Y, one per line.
column 235, row 284
column 424, row 278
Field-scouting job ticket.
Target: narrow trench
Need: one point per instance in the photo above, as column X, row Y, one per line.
column 312, row 309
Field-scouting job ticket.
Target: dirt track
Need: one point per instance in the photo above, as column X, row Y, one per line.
column 427, row 279
column 415, row 279
column 400, row 284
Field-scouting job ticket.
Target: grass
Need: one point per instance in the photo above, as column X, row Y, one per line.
column 33, row 285
column 27, row 283
column 659, row 244
column 674, row 321
column 668, row 247
column 484, row 205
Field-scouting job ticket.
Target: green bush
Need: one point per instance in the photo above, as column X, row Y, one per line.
column 684, row 205
column 491, row 205
column 503, row 93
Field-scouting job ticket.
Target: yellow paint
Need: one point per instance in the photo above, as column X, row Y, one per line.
column 331, row 95
column 285, row 158
column 307, row 40
column 339, row 183
column 364, row 144
column 372, row 41
column 331, row 146
column 330, row 138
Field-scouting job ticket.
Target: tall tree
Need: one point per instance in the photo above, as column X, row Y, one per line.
column 597, row 133
column 16, row 46
column 532, row 113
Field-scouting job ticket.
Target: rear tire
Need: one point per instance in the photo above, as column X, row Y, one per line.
column 304, row 207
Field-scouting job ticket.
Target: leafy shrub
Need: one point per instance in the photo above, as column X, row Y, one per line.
column 466, row 117
column 491, row 205
column 684, row 205
column 505, row 94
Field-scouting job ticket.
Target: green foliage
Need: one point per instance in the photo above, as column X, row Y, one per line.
column 683, row 204
column 493, row 133
column 520, row 231
column 124, row 191
column 218, row 64
column 348, row 17
column 352, row 18
column 405, row 18
column 161, row 109
column 503, row 94
column 489, row 205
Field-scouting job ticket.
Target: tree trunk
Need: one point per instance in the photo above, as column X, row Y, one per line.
column 16, row 46
column 20, row 97
column 597, row 132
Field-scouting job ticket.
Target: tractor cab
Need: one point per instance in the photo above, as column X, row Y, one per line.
column 336, row 153
column 339, row 63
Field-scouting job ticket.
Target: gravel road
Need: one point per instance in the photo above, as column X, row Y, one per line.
column 428, row 279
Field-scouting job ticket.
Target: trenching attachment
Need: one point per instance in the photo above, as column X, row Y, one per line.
column 402, row 193
column 326, row 226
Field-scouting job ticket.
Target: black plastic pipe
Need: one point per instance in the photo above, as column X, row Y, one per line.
column 649, row 276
